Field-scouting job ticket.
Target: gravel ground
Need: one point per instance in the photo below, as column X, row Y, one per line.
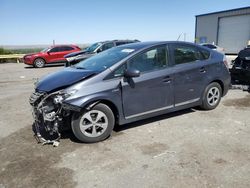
column 190, row 148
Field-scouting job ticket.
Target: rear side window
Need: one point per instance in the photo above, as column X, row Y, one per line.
column 120, row 43
column 186, row 54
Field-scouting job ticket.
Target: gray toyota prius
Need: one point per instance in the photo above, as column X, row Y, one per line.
column 126, row 84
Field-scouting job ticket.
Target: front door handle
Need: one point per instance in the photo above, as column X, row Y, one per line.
column 167, row 79
column 202, row 70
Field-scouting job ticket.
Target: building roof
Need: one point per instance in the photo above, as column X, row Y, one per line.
column 237, row 9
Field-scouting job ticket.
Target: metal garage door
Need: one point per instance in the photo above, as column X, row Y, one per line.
column 234, row 33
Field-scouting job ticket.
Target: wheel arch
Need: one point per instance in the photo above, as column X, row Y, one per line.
column 221, row 85
column 109, row 103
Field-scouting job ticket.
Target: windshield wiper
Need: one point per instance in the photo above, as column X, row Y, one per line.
column 79, row 67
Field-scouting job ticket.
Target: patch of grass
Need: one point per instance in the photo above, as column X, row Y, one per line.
column 19, row 51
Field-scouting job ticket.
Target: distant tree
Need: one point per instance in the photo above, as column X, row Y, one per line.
column 1, row 51
column 4, row 51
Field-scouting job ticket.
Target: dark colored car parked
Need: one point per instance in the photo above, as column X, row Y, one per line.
column 240, row 71
column 51, row 55
column 126, row 84
column 95, row 48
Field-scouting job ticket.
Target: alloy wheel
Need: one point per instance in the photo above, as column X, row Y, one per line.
column 213, row 96
column 39, row 63
column 93, row 123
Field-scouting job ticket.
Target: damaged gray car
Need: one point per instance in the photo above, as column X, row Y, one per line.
column 126, row 84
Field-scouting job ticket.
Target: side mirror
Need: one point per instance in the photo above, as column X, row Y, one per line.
column 67, row 64
column 99, row 50
column 131, row 72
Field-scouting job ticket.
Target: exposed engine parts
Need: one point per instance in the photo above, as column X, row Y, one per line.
column 48, row 115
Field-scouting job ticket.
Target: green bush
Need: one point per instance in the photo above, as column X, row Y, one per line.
column 19, row 51
column 4, row 51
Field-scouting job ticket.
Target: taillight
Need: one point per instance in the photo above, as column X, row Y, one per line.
column 225, row 62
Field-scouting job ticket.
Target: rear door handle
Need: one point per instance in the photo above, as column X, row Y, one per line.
column 167, row 79
column 202, row 70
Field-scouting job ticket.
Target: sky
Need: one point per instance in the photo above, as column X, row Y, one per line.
column 33, row 22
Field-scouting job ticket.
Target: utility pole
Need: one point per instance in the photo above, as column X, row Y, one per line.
column 54, row 42
column 185, row 37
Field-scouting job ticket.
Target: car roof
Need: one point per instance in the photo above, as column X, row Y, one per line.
column 141, row 45
column 126, row 40
column 60, row 45
column 207, row 44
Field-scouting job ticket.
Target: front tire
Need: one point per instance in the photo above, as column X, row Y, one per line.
column 39, row 63
column 94, row 125
column 212, row 96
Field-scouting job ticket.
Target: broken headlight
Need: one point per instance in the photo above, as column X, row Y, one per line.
column 58, row 99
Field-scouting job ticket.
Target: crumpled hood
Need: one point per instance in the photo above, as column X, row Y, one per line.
column 62, row 79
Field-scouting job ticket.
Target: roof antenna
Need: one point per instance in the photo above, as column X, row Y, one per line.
column 179, row 37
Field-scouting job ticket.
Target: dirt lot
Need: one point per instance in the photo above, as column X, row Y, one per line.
column 191, row 148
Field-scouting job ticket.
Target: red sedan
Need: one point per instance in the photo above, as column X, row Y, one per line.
column 51, row 55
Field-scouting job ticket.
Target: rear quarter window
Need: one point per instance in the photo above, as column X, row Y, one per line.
column 205, row 54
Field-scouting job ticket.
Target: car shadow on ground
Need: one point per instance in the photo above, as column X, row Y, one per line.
column 153, row 119
column 46, row 66
column 68, row 134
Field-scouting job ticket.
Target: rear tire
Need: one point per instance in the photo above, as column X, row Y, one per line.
column 94, row 125
column 39, row 63
column 212, row 96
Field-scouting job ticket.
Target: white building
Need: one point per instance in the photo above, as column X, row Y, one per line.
column 229, row 29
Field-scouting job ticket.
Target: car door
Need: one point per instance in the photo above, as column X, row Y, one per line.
column 189, row 73
column 53, row 54
column 152, row 91
column 64, row 50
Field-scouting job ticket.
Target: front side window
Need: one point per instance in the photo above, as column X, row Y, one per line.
column 186, row 54
column 150, row 60
column 107, row 46
column 56, row 49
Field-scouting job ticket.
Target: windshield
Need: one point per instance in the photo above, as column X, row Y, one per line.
column 45, row 50
column 105, row 59
column 93, row 47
